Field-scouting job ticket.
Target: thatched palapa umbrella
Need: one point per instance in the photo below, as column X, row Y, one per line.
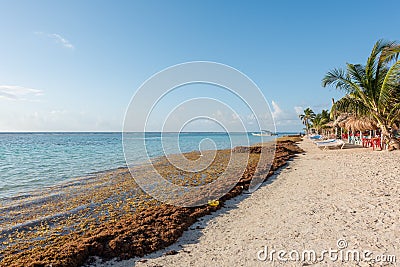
column 353, row 123
column 361, row 124
column 341, row 120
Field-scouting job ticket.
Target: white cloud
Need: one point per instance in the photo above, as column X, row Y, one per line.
column 56, row 112
column 58, row 38
column 286, row 119
column 218, row 115
column 13, row 92
column 250, row 117
column 277, row 112
column 235, row 117
column 298, row 110
column 57, row 120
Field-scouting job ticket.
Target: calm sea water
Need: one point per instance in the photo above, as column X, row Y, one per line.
column 30, row 161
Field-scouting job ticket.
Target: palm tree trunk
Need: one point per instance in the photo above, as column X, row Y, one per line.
column 389, row 139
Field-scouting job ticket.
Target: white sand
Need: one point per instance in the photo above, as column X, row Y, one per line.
column 323, row 196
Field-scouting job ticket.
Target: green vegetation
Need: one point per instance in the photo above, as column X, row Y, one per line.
column 321, row 120
column 317, row 122
column 306, row 118
column 372, row 90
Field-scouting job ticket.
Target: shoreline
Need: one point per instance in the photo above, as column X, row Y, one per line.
column 89, row 241
column 32, row 192
column 322, row 200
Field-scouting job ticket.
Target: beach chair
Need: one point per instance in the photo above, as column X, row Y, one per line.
column 324, row 141
column 331, row 143
column 316, row 137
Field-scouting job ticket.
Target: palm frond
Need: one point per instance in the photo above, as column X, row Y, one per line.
column 351, row 104
column 339, row 79
column 390, row 53
column 394, row 114
column 376, row 62
column 390, row 86
column 372, row 62
column 357, row 73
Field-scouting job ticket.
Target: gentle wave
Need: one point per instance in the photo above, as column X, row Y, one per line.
column 30, row 161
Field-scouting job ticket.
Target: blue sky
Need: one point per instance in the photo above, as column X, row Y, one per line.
column 74, row 65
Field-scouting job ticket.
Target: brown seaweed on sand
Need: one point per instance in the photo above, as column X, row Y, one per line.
column 115, row 220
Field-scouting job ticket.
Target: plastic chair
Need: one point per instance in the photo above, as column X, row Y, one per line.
column 376, row 142
column 366, row 142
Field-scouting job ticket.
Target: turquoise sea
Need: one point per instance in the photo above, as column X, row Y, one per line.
column 31, row 161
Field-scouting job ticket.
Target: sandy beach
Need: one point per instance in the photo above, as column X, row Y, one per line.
column 332, row 200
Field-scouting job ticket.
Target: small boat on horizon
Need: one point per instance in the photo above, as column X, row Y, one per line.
column 264, row 133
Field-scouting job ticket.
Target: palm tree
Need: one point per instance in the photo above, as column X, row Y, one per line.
column 373, row 89
column 326, row 115
column 306, row 118
column 320, row 120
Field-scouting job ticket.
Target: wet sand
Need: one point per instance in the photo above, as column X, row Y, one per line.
column 324, row 200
